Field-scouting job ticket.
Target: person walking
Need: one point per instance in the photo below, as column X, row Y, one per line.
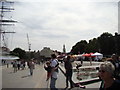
column 31, row 67
column 18, row 64
column 54, row 72
column 106, row 72
column 68, row 68
column 15, row 66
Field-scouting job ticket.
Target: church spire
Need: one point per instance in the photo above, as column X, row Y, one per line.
column 64, row 49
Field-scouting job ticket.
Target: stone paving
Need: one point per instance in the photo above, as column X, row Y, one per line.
column 21, row 79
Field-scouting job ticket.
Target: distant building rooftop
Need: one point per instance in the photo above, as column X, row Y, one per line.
column 46, row 51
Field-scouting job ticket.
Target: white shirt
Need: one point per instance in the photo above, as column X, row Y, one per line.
column 53, row 64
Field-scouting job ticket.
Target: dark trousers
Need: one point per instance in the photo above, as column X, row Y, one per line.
column 69, row 79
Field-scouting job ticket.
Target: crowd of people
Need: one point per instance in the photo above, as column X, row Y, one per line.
column 21, row 65
column 17, row 65
column 109, row 71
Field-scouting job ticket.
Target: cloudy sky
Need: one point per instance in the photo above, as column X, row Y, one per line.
column 52, row 23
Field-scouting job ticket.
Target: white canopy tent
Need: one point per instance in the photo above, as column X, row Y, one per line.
column 8, row 57
column 98, row 56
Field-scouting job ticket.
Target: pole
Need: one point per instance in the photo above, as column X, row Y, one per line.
column 29, row 46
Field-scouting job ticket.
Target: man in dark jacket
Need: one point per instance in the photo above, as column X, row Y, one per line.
column 68, row 68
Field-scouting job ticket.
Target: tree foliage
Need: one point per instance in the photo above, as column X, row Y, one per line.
column 106, row 43
column 19, row 52
column 80, row 47
column 93, row 45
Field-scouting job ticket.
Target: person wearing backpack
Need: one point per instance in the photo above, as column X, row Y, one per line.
column 54, row 72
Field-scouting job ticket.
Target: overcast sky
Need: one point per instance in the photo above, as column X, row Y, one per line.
column 52, row 23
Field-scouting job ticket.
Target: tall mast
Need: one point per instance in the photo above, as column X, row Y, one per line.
column 29, row 45
column 4, row 8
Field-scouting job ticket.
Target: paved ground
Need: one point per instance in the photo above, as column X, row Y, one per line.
column 21, row 79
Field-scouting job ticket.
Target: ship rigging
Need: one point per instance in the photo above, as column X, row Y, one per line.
column 5, row 7
column 5, row 21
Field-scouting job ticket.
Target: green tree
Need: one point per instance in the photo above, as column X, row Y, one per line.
column 92, row 46
column 19, row 52
column 80, row 47
column 106, row 42
column 117, row 43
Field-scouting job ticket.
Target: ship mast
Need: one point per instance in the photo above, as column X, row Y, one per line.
column 29, row 45
column 4, row 8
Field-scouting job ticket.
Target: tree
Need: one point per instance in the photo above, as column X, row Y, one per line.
column 19, row 52
column 106, row 43
column 92, row 46
column 80, row 47
column 117, row 43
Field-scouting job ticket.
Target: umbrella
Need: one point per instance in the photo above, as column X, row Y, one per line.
column 88, row 55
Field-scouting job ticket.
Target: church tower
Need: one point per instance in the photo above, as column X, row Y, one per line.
column 64, row 49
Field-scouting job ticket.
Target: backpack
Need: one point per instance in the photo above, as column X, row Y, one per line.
column 57, row 66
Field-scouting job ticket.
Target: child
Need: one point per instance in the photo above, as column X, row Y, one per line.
column 48, row 68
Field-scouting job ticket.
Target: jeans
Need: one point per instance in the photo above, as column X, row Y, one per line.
column 31, row 71
column 52, row 83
